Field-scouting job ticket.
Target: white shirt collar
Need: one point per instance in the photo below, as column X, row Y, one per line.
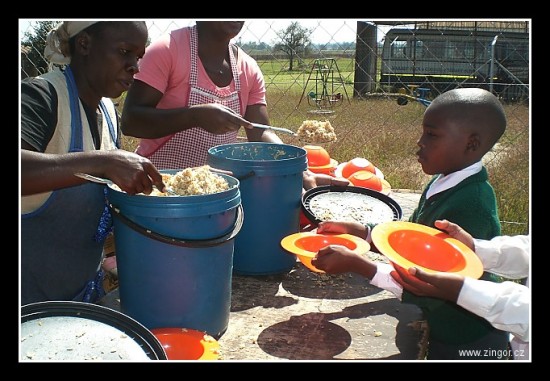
column 443, row 183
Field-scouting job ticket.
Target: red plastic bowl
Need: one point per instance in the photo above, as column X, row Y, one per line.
column 187, row 344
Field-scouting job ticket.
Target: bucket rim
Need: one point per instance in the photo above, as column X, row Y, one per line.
column 233, row 182
column 292, row 160
column 219, row 148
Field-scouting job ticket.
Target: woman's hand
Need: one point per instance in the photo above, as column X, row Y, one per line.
column 131, row 172
column 218, row 119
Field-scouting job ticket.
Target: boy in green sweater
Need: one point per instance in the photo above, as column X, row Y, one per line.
column 459, row 127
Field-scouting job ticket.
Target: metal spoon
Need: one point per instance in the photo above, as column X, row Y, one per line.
column 101, row 180
column 280, row 129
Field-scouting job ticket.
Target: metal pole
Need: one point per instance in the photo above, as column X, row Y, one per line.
column 492, row 63
column 365, row 58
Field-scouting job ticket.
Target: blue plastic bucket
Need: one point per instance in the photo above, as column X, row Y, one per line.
column 271, row 180
column 175, row 257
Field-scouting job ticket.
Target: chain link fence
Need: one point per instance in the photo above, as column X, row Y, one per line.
column 372, row 79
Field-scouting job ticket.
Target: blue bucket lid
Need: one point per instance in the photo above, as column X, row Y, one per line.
column 265, row 159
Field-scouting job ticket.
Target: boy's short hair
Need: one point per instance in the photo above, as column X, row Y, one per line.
column 477, row 110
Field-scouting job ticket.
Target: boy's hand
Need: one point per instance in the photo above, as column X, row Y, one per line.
column 456, row 232
column 334, row 259
column 341, row 227
column 440, row 285
column 312, row 180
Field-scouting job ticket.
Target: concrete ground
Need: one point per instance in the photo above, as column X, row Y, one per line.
column 305, row 316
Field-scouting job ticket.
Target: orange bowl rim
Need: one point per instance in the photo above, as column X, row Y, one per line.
column 381, row 232
column 289, row 244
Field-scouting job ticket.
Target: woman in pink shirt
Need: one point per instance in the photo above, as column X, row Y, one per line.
column 195, row 90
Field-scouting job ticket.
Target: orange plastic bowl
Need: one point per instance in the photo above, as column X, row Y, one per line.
column 306, row 245
column 306, row 261
column 366, row 179
column 325, row 169
column 317, row 156
column 357, row 164
column 409, row 244
column 187, row 344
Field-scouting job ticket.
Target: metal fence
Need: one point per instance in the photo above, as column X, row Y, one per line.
column 387, row 55
column 369, row 77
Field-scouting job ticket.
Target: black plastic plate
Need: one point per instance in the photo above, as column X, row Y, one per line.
column 311, row 193
column 132, row 328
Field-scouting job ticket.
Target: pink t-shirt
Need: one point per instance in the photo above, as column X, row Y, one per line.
column 166, row 66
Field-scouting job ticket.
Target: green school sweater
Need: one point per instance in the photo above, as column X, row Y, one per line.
column 472, row 205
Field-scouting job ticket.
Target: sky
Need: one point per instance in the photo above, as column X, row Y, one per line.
column 256, row 30
column 264, row 30
column 325, row 30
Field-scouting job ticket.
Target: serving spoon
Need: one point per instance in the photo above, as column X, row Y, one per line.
column 280, row 129
column 101, row 180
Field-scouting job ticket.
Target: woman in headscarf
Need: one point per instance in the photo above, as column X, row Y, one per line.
column 69, row 125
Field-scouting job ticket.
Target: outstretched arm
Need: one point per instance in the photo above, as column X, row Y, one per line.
column 504, row 305
column 506, row 256
column 41, row 172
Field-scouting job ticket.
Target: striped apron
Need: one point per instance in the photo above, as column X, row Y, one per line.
column 189, row 148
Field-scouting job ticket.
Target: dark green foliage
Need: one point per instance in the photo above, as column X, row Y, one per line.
column 33, row 62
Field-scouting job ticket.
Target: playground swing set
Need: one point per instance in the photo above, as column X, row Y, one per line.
column 325, row 89
column 327, row 86
column 413, row 93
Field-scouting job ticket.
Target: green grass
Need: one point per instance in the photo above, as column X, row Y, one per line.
column 386, row 134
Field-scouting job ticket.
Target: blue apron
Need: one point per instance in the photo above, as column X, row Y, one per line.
column 60, row 255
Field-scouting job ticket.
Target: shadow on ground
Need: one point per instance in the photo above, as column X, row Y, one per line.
column 313, row 336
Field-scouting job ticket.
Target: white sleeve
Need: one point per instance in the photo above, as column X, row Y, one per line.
column 505, row 305
column 384, row 280
column 506, row 256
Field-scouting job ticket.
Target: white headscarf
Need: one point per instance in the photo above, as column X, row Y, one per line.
column 57, row 41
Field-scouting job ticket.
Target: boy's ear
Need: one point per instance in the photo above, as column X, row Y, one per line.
column 474, row 142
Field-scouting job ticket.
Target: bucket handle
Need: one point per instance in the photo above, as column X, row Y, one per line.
column 179, row 242
column 245, row 176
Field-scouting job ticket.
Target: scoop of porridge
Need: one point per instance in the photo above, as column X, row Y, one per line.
column 315, row 131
